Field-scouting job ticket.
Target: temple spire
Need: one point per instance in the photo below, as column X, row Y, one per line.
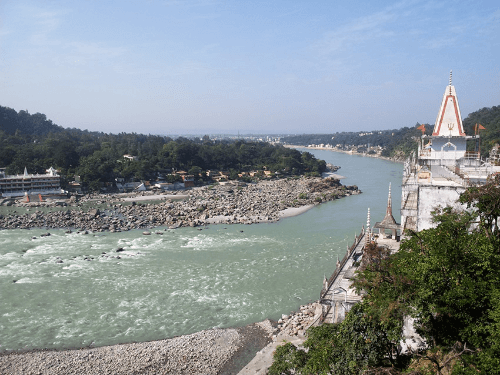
column 449, row 119
column 388, row 219
column 388, row 222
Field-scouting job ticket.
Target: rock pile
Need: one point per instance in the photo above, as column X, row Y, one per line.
column 296, row 324
column 290, row 329
column 259, row 202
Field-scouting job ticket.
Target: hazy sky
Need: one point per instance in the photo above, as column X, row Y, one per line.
column 202, row 66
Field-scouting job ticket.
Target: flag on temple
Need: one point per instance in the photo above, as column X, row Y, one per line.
column 478, row 127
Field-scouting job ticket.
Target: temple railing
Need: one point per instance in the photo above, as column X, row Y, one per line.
column 335, row 274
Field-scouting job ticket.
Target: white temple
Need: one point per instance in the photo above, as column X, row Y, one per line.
column 442, row 168
column 448, row 141
column 435, row 176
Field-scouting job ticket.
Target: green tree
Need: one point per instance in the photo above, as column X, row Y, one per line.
column 195, row 171
column 485, row 200
column 356, row 344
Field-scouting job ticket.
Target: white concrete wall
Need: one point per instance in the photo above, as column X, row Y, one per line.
column 412, row 341
column 440, row 151
column 430, row 197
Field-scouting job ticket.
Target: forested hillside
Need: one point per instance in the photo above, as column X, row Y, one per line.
column 490, row 119
column 36, row 143
column 392, row 141
column 404, row 140
column 22, row 122
column 33, row 141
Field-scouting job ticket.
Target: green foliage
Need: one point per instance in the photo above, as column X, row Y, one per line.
column 395, row 141
column 490, row 119
column 452, row 272
column 350, row 347
column 448, row 278
column 195, row 171
column 287, row 359
column 386, row 289
column 486, row 201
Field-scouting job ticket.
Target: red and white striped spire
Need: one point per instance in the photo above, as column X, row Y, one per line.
column 449, row 119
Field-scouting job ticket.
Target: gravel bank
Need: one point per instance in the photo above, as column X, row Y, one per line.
column 215, row 351
column 244, row 350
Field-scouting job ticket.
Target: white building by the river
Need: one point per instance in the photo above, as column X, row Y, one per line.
column 442, row 168
column 30, row 184
column 436, row 176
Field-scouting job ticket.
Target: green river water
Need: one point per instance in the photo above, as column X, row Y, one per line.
column 185, row 280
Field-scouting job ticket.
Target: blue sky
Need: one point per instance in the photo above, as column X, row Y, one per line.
column 202, row 66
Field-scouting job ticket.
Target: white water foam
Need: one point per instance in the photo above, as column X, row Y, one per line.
column 28, row 280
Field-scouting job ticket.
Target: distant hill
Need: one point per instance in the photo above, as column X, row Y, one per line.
column 36, row 124
column 397, row 142
column 22, row 122
column 490, row 119
column 33, row 142
column 394, row 142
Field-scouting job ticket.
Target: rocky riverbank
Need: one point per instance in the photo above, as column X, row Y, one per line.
column 252, row 203
column 290, row 328
column 204, row 352
column 214, row 351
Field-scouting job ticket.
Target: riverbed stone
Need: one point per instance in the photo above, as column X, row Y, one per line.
column 257, row 202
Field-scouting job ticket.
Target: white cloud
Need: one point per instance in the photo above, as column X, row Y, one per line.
column 191, row 3
column 93, row 51
column 439, row 43
column 46, row 23
column 359, row 31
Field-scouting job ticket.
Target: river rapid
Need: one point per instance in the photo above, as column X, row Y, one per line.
column 62, row 291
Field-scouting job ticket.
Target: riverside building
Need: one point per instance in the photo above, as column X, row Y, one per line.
column 442, row 168
column 435, row 176
column 30, row 184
